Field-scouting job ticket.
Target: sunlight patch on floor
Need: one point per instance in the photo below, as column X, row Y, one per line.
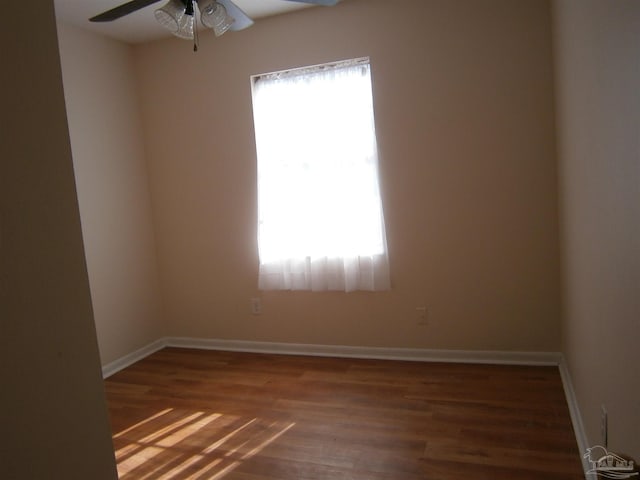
column 168, row 445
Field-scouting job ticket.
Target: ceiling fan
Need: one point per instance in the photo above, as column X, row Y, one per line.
column 178, row 16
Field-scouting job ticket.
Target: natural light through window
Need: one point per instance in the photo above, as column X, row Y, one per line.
column 320, row 218
column 161, row 447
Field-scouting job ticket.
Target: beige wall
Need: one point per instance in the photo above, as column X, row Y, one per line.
column 115, row 208
column 54, row 420
column 598, row 79
column 464, row 110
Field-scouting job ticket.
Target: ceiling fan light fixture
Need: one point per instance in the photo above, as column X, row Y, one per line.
column 178, row 16
column 170, row 15
column 185, row 27
column 214, row 15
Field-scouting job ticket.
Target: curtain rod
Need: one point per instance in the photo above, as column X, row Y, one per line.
column 294, row 72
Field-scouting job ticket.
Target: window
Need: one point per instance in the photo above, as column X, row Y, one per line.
column 320, row 219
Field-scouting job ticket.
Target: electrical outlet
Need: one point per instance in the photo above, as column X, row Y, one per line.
column 256, row 306
column 604, row 426
column 422, row 315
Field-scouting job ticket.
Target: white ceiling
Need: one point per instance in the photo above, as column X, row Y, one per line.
column 141, row 26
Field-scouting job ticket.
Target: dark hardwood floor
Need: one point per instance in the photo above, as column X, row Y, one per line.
column 197, row 414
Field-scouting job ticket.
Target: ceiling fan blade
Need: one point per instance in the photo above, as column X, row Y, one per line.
column 122, row 10
column 328, row 3
column 242, row 20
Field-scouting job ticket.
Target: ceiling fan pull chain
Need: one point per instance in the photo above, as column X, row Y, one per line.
column 195, row 36
column 195, row 24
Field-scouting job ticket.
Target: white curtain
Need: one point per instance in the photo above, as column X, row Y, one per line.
column 320, row 216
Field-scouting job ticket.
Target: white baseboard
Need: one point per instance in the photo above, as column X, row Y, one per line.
column 576, row 418
column 381, row 353
column 131, row 358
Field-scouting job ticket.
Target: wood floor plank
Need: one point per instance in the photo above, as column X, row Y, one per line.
column 192, row 414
